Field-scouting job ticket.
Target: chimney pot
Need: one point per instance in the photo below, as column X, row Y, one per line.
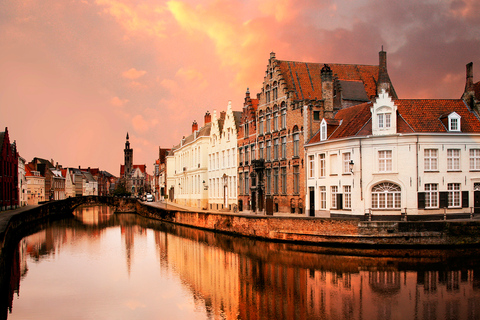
column 208, row 117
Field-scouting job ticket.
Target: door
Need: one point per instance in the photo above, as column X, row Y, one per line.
column 254, row 201
column 312, row 201
column 476, row 198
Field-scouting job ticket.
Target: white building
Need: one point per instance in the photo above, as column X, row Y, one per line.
column 22, row 183
column 187, row 167
column 395, row 156
column 222, row 159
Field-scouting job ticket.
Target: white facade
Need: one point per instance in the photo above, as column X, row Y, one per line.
column 69, row 184
column 388, row 170
column 222, row 161
column 187, row 169
column 22, row 183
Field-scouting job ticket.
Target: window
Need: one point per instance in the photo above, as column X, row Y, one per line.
column 284, row 118
column 453, row 159
column 275, row 181
column 453, row 195
column 346, row 162
column 240, row 182
column 474, row 159
column 268, row 129
column 284, row 180
column 275, row 121
column 334, row 191
column 323, row 197
column 321, row 165
column 275, row 91
column 386, row 196
column 260, row 125
column 454, row 122
column 430, row 159
column 431, row 195
column 385, row 160
column 311, row 166
column 284, row 147
column 316, row 115
column 268, row 150
column 296, row 180
column 247, row 156
column 347, row 197
column 245, row 131
column 275, row 148
column 247, row 185
column 296, row 142
column 268, row 181
column 384, row 121
column 260, row 151
column 253, row 152
column 267, row 96
column 240, row 155
column 323, row 130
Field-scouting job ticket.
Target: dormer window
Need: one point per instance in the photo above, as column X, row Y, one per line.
column 323, row 130
column 454, row 122
column 384, row 120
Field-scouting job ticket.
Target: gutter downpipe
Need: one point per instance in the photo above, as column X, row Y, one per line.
column 361, row 168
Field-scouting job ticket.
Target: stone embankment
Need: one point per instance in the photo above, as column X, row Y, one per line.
column 302, row 230
column 326, row 231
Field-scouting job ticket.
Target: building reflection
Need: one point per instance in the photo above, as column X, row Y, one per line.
column 238, row 278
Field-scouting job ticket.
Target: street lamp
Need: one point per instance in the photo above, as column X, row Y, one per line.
column 350, row 165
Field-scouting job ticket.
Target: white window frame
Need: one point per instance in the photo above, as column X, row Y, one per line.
column 431, row 195
column 386, row 196
column 334, row 192
column 454, row 195
column 347, row 156
column 311, row 166
column 430, row 159
column 385, row 160
column 454, row 122
column 347, row 197
column 323, row 197
column 322, row 169
column 323, row 130
column 453, row 159
column 474, row 159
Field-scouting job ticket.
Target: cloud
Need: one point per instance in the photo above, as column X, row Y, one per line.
column 117, row 102
column 133, row 74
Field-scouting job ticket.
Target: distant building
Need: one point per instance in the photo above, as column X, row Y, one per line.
column 222, row 160
column 135, row 177
column 395, row 156
column 9, row 192
column 22, row 182
column 35, row 185
column 187, row 167
column 471, row 95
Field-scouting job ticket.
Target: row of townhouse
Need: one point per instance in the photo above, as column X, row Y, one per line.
column 40, row 180
column 327, row 139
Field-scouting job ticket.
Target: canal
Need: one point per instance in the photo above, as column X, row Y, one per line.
column 101, row 265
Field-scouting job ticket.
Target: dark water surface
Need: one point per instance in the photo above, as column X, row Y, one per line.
column 101, row 265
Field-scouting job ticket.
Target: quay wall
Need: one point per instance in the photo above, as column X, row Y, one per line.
column 326, row 231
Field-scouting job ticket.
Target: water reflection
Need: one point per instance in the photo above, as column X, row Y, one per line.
column 148, row 262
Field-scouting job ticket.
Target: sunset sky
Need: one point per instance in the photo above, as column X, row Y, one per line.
column 77, row 75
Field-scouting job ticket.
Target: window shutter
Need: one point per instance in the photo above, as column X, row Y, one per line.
column 465, row 199
column 339, row 201
column 443, row 199
column 421, row 200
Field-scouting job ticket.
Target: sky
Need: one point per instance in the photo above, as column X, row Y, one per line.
column 77, row 75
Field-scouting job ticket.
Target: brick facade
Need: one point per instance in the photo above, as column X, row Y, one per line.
column 295, row 96
column 8, row 172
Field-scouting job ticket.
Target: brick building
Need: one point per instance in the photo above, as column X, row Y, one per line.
column 295, row 96
column 9, row 193
column 471, row 95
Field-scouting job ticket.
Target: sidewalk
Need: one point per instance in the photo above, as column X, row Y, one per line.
column 5, row 216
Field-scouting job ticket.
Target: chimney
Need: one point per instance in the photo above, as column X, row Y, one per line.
column 208, row 117
column 327, row 91
column 469, row 80
column 194, row 126
column 384, row 82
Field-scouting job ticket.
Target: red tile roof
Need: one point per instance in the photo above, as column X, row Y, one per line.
column 304, row 78
column 142, row 168
column 413, row 115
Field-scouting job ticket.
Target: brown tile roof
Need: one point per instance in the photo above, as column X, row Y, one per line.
column 413, row 115
column 304, row 78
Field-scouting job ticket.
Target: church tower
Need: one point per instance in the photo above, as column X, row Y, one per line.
column 128, row 158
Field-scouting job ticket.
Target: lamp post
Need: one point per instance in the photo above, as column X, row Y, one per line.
column 350, row 165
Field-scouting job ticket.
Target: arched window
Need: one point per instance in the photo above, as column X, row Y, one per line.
column 386, row 195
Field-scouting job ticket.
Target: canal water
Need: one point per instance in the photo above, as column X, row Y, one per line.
column 100, row 265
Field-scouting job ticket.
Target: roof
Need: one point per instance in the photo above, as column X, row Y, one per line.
column 413, row 116
column 202, row 132
column 142, row 168
column 237, row 116
column 304, row 78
